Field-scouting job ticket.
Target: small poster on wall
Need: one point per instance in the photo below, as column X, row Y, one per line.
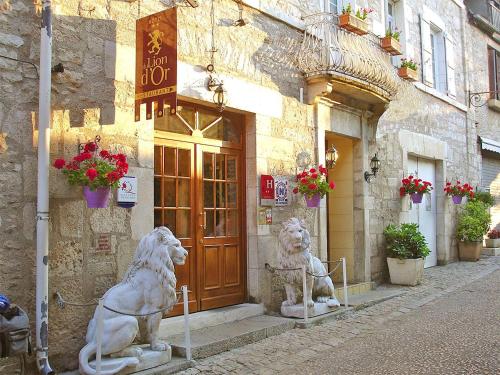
column 265, row 216
column 280, row 191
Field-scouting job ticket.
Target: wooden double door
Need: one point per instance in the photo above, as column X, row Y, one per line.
column 199, row 196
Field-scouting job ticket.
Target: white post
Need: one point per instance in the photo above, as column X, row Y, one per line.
column 100, row 322
column 344, row 278
column 187, row 333
column 304, row 292
column 42, row 211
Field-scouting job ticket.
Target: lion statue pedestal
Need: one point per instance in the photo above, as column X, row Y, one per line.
column 148, row 286
column 295, row 252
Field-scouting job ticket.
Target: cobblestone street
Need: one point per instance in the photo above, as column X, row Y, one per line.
column 447, row 325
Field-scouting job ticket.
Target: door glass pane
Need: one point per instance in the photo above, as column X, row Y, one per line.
column 158, row 159
column 169, row 220
column 157, row 191
column 158, row 219
column 184, row 162
column 208, row 168
column 207, row 117
column 231, row 167
column 183, row 223
column 208, row 194
column 220, row 167
column 232, row 195
column 232, row 223
column 187, row 113
column 220, row 194
column 220, row 223
column 168, row 192
column 169, row 161
column 209, row 227
column 183, row 192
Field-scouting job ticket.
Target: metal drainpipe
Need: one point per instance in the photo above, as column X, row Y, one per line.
column 42, row 215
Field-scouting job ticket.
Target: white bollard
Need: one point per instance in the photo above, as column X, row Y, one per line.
column 187, row 333
column 304, row 292
column 100, row 321
column 344, row 277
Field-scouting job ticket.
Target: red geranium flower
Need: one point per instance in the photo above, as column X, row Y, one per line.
column 104, row 154
column 314, row 175
column 331, row 185
column 295, row 190
column 402, row 191
column 59, row 163
column 91, row 174
column 304, row 180
column 312, row 170
column 312, row 186
column 86, row 156
column 90, row 147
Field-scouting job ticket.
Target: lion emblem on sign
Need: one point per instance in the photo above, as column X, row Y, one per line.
column 155, row 42
column 295, row 252
column 148, row 286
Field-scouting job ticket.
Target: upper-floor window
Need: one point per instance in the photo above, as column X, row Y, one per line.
column 332, row 6
column 494, row 72
column 391, row 15
column 438, row 59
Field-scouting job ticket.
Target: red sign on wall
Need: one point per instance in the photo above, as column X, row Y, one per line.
column 266, row 190
column 156, row 63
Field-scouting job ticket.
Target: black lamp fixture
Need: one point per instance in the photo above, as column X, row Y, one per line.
column 374, row 166
column 331, row 157
column 220, row 94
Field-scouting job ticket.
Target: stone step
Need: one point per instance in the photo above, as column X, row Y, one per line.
column 209, row 341
column 354, row 289
column 175, row 325
column 372, row 297
column 491, row 251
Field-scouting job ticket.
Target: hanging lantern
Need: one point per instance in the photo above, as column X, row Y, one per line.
column 220, row 97
column 331, row 157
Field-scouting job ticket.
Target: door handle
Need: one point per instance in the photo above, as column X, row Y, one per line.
column 204, row 225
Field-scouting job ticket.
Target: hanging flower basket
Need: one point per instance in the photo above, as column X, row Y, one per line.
column 314, row 201
column 416, row 197
column 353, row 24
column 97, row 198
column 458, row 191
column 97, row 171
column 391, row 45
column 457, row 199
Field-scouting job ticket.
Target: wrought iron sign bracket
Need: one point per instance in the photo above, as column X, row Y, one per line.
column 475, row 98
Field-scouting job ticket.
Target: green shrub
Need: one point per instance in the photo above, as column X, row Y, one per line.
column 405, row 242
column 473, row 221
column 485, row 197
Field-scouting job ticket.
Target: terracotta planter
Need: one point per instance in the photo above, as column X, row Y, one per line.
column 314, row 201
column 406, row 271
column 408, row 74
column 469, row 251
column 390, row 45
column 492, row 242
column 353, row 24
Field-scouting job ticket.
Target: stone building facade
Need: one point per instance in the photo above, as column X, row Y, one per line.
column 282, row 112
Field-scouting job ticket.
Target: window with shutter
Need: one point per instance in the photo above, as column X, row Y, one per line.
column 494, row 72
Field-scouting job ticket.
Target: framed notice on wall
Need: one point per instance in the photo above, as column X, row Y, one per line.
column 280, row 191
column 156, row 63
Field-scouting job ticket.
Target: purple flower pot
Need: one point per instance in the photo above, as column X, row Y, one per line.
column 416, row 197
column 457, row 199
column 313, row 201
column 97, row 198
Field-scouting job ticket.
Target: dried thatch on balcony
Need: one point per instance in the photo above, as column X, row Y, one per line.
column 328, row 50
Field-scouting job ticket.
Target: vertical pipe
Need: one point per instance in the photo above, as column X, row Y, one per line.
column 304, row 292
column 100, row 322
column 344, row 279
column 187, row 333
column 42, row 215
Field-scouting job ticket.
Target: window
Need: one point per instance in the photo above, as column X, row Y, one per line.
column 438, row 59
column 494, row 71
column 332, row 6
column 391, row 22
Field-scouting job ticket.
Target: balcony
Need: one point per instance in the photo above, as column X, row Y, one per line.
column 352, row 65
column 486, row 15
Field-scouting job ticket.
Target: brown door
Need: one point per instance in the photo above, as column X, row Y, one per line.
column 198, row 194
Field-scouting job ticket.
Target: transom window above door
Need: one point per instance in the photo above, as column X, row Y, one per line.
column 202, row 122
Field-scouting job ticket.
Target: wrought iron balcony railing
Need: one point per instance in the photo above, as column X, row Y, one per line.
column 486, row 13
column 327, row 49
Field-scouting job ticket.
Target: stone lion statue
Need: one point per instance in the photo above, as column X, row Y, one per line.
column 294, row 252
column 148, row 285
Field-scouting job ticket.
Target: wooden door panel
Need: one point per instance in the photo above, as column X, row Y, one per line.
column 211, row 268
column 231, row 265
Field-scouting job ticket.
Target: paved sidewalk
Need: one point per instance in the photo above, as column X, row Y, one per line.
column 286, row 353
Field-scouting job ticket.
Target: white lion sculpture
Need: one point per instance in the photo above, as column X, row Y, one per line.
column 295, row 252
column 148, row 285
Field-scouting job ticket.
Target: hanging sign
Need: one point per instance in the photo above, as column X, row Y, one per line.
column 266, row 190
column 280, row 191
column 126, row 195
column 156, row 63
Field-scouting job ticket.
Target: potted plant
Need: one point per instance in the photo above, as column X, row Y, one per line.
column 408, row 70
column 407, row 249
column 473, row 223
column 313, row 185
column 390, row 42
column 354, row 23
column 493, row 239
column 458, row 191
column 485, row 197
column 97, row 171
column 415, row 187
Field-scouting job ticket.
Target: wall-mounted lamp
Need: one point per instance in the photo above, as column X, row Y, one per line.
column 374, row 166
column 220, row 94
column 331, row 157
column 240, row 21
